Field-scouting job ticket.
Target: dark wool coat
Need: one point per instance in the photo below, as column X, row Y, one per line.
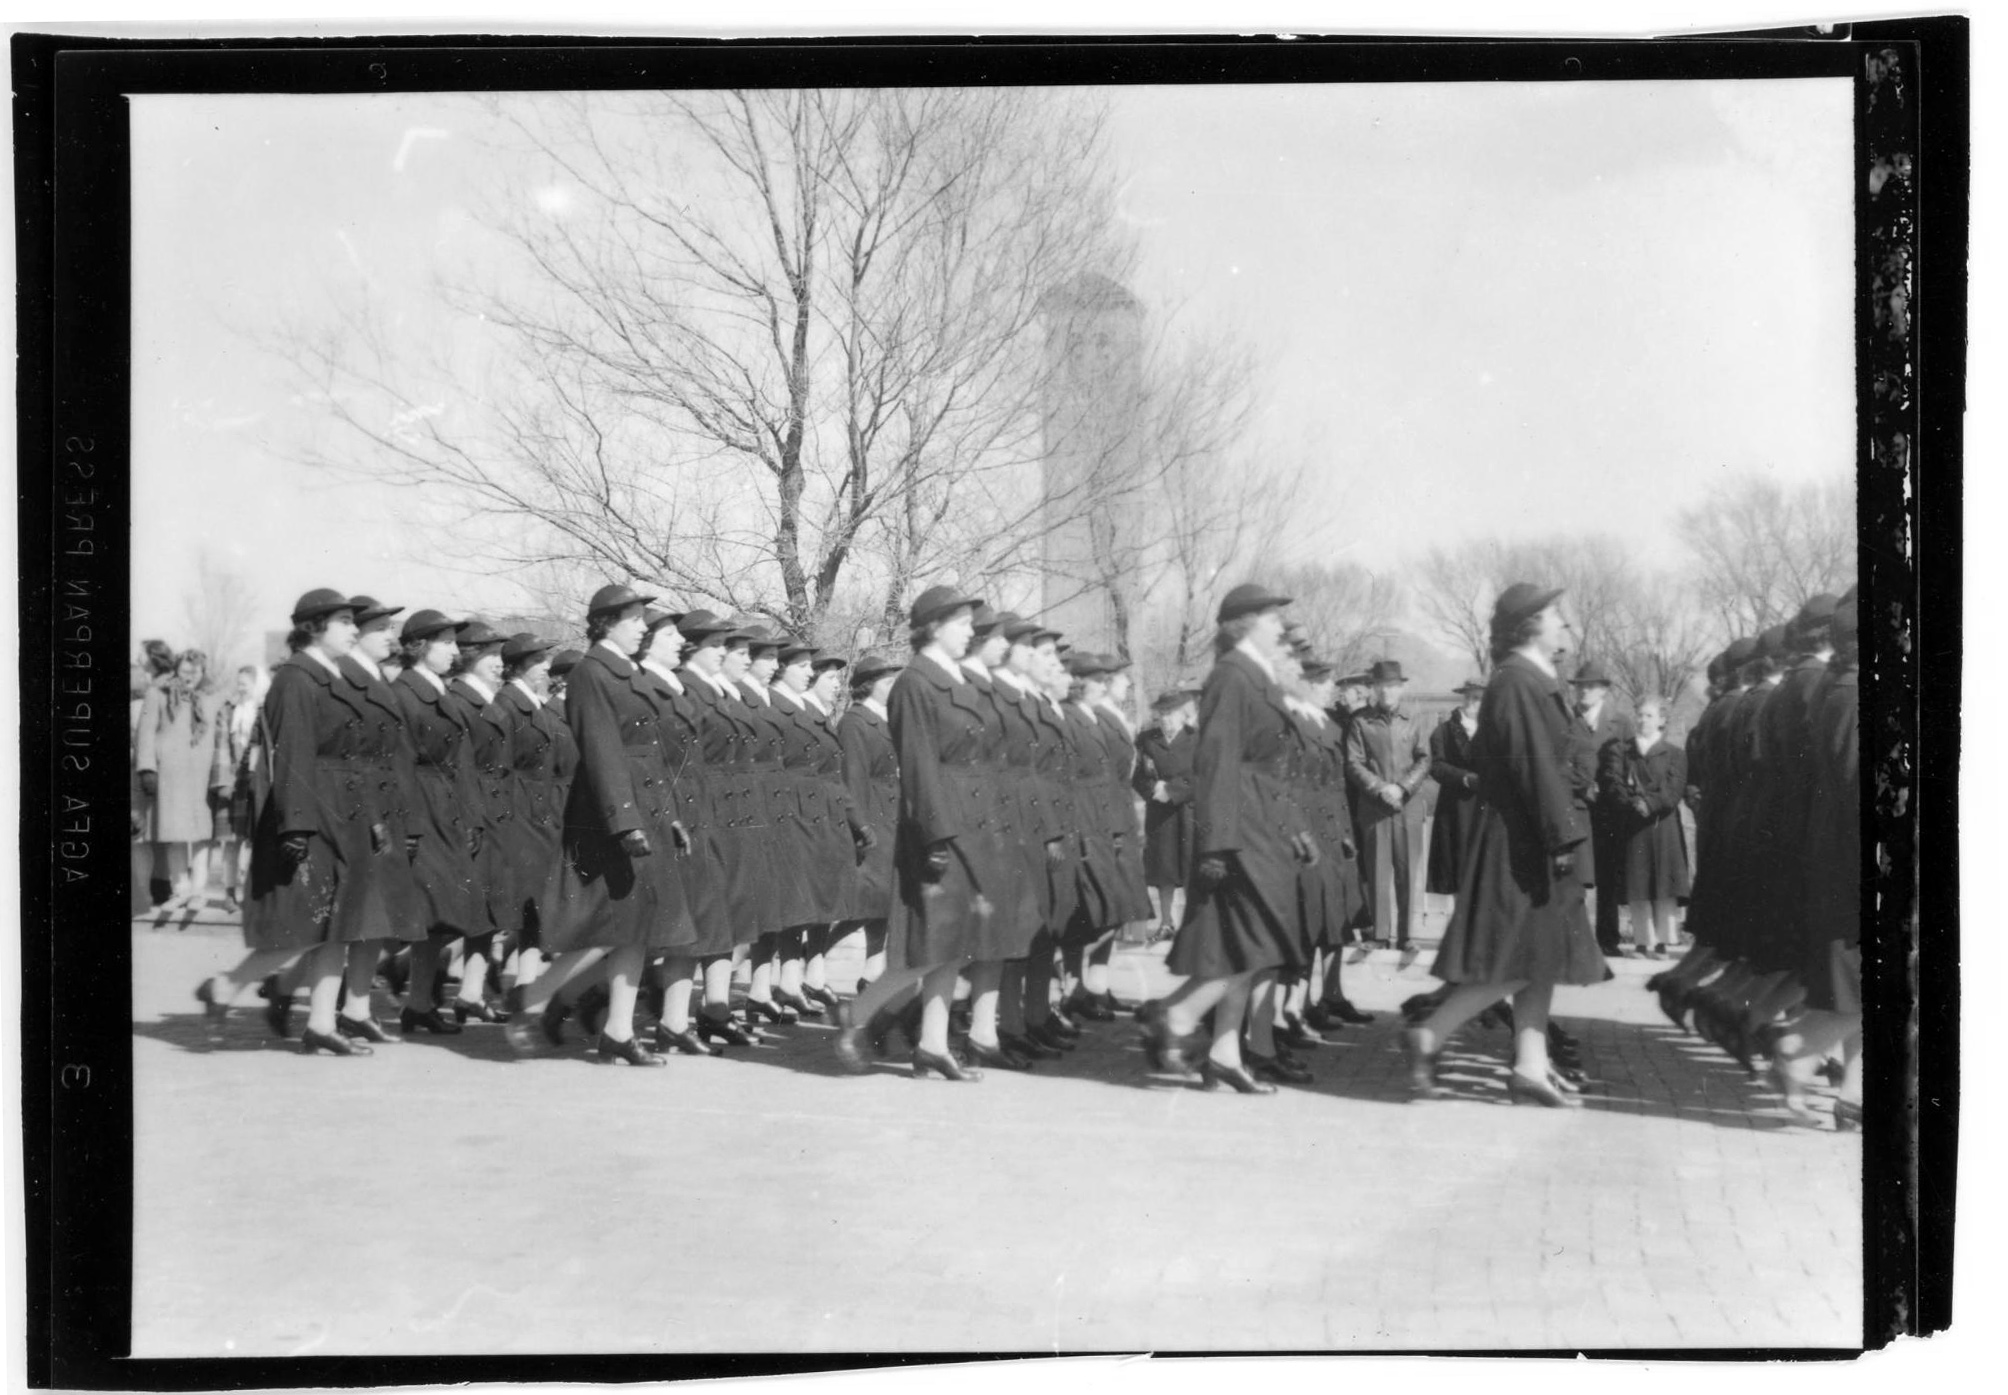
column 1167, row 822
column 1245, row 811
column 1380, row 747
column 1514, row 919
column 943, row 731
column 1032, row 820
column 1709, row 793
column 1101, row 895
column 871, row 777
column 1830, row 935
column 339, row 762
column 738, row 815
column 488, row 747
column 1120, row 742
column 450, row 807
column 1649, row 861
column 815, row 833
column 679, row 733
column 532, row 839
column 1061, row 825
column 1332, row 819
column 1456, row 803
column 788, row 888
column 1787, row 788
column 1735, row 896
column 602, row 897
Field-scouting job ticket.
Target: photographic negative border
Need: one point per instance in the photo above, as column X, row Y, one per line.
column 73, row 243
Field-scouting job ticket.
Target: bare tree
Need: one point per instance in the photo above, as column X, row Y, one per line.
column 1761, row 549
column 1658, row 637
column 1349, row 612
column 222, row 612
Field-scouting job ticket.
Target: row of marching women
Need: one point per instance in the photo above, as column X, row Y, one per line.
column 1775, row 912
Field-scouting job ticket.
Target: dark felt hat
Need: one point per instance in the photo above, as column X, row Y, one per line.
column 1816, row 612
column 795, row 650
column 1085, row 663
column 1316, row 670
column 1113, row 663
column 1590, row 672
column 758, row 633
column 1170, row 698
column 700, row 625
column 1739, row 653
column 824, row 660
column 656, row 619
column 1520, row 600
column 1357, row 680
column 475, row 633
column 422, row 624
column 1247, row 598
column 1019, row 630
column 987, row 621
column 321, row 601
column 614, row 597
column 937, row 601
column 873, row 667
column 564, row 661
column 369, row 608
column 1468, row 687
column 522, row 646
column 1773, row 642
column 1386, row 671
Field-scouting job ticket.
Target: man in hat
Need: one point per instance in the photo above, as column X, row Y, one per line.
column 1387, row 759
column 1598, row 724
column 1164, row 778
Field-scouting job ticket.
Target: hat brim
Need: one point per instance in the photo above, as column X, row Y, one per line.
column 620, row 605
column 431, row 630
column 1268, row 600
column 944, row 608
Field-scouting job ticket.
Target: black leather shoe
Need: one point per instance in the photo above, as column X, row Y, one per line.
column 710, row 1028
column 849, row 1035
column 214, row 1014
column 683, row 1043
column 1344, row 1010
column 362, row 1029
column 633, row 1052
column 312, row 1041
column 1421, row 1066
column 1044, row 1034
column 773, row 1012
column 1166, row 1052
column 947, row 1067
column 824, row 996
column 1000, row 1056
column 1284, row 1070
column 431, row 1020
column 1031, row 1050
column 278, row 1006
column 1058, row 1024
column 464, row 1013
column 1087, row 1007
column 1298, row 1035
column 1212, row 1075
column 800, row 1006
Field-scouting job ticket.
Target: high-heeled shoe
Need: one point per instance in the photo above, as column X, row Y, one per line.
column 465, row 1012
column 362, row 1029
column 1212, row 1075
column 1031, row 1050
column 278, row 1006
column 1284, row 1070
column 214, row 1014
column 1295, row 1032
column 1087, row 1007
column 1421, row 1066
column 999, row 1057
column 1792, row 1093
column 816, row 993
column 773, row 1012
column 947, row 1067
column 683, row 1043
column 431, row 1020
column 849, row 1058
column 1543, row 1091
column 1045, row 1034
column 795, row 1003
column 710, row 1028
column 1847, row 1117
column 332, row 1043
column 1166, row 1052
column 608, row 1050
column 1058, row 1024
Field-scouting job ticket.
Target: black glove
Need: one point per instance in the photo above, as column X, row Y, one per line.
column 474, row 838
column 219, row 799
column 1212, row 871
column 1640, row 807
column 149, row 781
column 293, row 848
column 1307, row 849
column 864, row 838
column 379, row 837
column 1056, row 851
column 1471, row 779
column 1347, row 850
column 1562, row 864
column 634, row 843
column 411, row 847
column 680, row 836
column 936, row 866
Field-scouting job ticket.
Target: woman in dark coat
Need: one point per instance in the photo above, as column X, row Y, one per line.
column 1164, row 779
column 537, row 745
column 814, row 834
column 871, row 778
column 860, row 839
column 1520, row 926
column 476, row 685
column 617, row 895
column 450, row 810
column 948, row 861
column 1642, row 780
column 1456, row 790
column 1241, row 908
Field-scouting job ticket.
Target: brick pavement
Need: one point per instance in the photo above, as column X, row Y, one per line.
column 448, row 1197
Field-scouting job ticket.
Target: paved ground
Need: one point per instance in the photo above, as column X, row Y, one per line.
column 449, row 1197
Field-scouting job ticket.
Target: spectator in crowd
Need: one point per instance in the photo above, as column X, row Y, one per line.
column 1598, row 724
column 1452, row 767
column 229, row 778
column 1387, row 759
column 1164, row 779
column 1642, row 781
column 175, row 749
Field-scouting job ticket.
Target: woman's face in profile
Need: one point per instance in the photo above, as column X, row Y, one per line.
column 190, row 671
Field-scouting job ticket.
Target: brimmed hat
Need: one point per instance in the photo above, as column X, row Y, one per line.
column 323, row 600
column 1739, row 653
column 1085, row 663
column 987, row 622
column 1468, row 687
column 700, row 625
column 1520, row 600
column 476, row 633
column 1771, row 644
column 1248, row 598
column 757, row 633
column 615, row 597
column 655, row 619
column 1170, row 698
column 824, row 660
column 873, row 667
column 1386, row 671
column 1590, row 672
column 795, row 650
column 564, row 661
column 522, row 646
column 369, row 608
column 423, row 624
column 937, row 601
column 1113, row 663
column 1816, row 612
column 1357, row 680
column 1316, row 670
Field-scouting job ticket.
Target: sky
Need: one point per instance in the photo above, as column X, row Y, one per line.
column 1478, row 309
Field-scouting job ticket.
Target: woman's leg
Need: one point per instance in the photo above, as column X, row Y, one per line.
column 790, row 952
column 474, row 969
column 1662, row 921
column 425, row 955
column 1230, row 1010
column 1639, row 912
column 623, row 970
column 254, row 967
column 718, row 986
column 1095, row 966
column 363, row 957
column 565, row 968
column 323, row 977
column 680, row 979
column 816, row 941
column 199, row 856
column 937, row 989
column 1192, row 1000
column 1530, row 1030
column 1464, row 1002
column 986, row 977
column 1037, row 997
column 765, row 951
column 1262, row 1009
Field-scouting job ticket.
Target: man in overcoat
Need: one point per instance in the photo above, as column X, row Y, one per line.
column 1597, row 724
column 1387, row 760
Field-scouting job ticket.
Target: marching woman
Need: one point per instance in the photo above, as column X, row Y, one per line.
column 947, row 858
column 1337, row 867
column 475, row 684
column 531, row 840
column 864, row 838
column 1241, row 908
column 618, row 895
column 1164, row 778
column 789, row 893
column 1643, row 779
column 449, row 811
column 871, row 779
column 1456, row 789
column 1104, row 900
column 1091, row 997
column 527, row 957
column 1520, row 926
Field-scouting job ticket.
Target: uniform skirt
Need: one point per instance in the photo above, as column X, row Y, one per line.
column 346, row 891
column 1233, row 930
column 601, row 898
column 1513, row 921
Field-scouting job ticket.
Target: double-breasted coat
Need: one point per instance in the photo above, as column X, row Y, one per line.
column 1332, row 823
column 449, row 808
column 1030, row 818
column 602, row 897
column 1650, row 855
column 1100, row 892
column 488, row 747
column 339, row 766
column 1167, row 819
column 1119, row 738
column 1456, row 801
column 1384, row 747
column 763, row 740
column 942, row 727
column 680, row 740
column 1244, row 812
column 531, row 840
column 1708, row 795
column 871, row 776
column 815, row 832
column 1789, row 785
column 1830, row 935
column 1515, row 918
column 1053, row 760
column 739, row 820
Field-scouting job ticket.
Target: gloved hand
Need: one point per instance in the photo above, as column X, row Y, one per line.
column 1347, row 850
column 1391, row 795
column 1212, row 871
column 864, row 837
column 634, row 843
column 219, row 799
column 1307, row 849
column 1056, row 851
column 680, row 835
column 1562, row 864
column 1471, row 779
column 936, row 866
column 379, row 837
column 1640, row 807
column 411, row 847
column 293, row 848
column 474, row 840
column 149, row 781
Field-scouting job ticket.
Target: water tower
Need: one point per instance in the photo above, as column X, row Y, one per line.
column 1091, row 411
